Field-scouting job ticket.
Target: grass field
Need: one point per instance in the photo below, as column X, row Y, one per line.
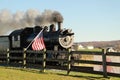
column 32, row 74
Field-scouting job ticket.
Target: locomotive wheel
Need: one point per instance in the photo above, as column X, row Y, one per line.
column 66, row 41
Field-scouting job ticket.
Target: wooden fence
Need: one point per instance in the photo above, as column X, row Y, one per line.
column 68, row 52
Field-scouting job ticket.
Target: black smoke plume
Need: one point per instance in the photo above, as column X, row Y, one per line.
column 30, row 18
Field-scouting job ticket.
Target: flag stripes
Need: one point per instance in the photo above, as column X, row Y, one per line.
column 38, row 43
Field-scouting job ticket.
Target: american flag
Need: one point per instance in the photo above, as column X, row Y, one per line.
column 38, row 43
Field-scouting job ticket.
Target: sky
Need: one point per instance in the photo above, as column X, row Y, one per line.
column 90, row 20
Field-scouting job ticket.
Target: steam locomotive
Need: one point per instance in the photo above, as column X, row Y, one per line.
column 54, row 39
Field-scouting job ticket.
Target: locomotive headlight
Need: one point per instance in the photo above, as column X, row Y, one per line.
column 66, row 41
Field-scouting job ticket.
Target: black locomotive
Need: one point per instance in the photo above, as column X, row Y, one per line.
column 54, row 39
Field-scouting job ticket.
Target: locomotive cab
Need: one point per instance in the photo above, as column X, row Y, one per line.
column 18, row 38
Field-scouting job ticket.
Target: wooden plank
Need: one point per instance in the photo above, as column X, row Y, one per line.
column 87, row 52
column 64, row 60
column 44, row 60
column 113, row 64
column 34, row 52
column 36, row 59
column 8, row 57
column 16, row 51
column 69, row 62
column 113, row 54
column 87, row 62
column 51, row 51
column 104, row 63
column 3, row 57
column 24, row 58
column 16, row 58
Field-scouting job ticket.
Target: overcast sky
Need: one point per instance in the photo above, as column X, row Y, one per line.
column 90, row 20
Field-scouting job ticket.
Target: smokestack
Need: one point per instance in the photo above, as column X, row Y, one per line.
column 59, row 26
column 57, row 17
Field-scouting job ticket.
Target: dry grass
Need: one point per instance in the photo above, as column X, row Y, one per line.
column 13, row 74
column 32, row 74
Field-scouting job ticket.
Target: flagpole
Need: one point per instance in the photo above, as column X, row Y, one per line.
column 34, row 39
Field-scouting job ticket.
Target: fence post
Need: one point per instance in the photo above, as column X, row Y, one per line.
column 104, row 63
column 44, row 60
column 24, row 58
column 69, row 61
column 8, row 57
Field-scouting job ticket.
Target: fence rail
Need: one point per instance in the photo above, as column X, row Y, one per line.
column 24, row 58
